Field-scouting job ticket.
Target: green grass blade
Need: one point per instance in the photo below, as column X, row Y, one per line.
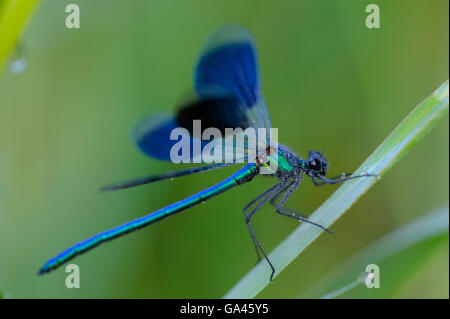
column 340, row 291
column 13, row 17
column 420, row 229
column 413, row 128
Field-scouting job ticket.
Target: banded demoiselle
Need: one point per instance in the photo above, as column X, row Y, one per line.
column 227, row 95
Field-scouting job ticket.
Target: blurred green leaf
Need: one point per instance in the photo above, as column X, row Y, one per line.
column 421, row 229
column 413, row 128
column 13, row 17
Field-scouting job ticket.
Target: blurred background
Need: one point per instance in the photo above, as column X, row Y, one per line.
column 330, row 84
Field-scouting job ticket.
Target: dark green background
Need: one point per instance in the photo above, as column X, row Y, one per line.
column 330, row 84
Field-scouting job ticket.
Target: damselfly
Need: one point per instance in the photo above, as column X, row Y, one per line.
column 227, row 95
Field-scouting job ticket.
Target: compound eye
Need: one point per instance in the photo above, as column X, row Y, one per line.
column 315, row 165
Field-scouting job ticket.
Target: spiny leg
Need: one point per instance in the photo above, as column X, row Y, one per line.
column 332, row 178
column 280, row 206
column 259, row 197
column 269, row 194
column 285, row 209
column 339, row 179
column 255, row 200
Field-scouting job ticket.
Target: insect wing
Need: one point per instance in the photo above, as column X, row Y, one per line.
column 229, row 62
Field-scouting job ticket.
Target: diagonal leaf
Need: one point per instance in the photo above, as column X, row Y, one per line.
column 418, row 230
column 13, row 17
column 411, row 130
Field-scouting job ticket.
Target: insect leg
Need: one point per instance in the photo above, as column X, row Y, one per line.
column 339, row 179
column 285, row 209
column 254, row 201
column 280, row 207
column 273, row 191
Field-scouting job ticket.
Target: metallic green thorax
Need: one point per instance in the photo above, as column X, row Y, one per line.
column 284, row 161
